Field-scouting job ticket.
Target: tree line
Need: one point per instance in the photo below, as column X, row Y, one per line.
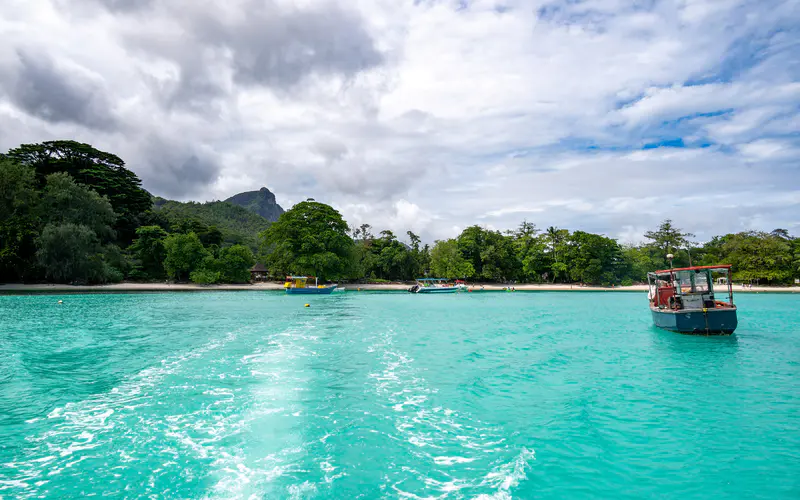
column 74, row 214
column 313, row 238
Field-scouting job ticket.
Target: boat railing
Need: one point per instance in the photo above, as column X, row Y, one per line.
column 688, row 288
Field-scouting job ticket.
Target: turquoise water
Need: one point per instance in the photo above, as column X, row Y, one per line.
column 493, row 395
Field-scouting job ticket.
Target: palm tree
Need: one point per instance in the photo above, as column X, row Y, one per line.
column 554, row 235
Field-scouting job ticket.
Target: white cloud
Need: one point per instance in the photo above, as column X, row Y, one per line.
column 431, row 117
column 767, row 149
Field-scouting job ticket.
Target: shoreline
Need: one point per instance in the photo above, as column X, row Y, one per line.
column 19, row 288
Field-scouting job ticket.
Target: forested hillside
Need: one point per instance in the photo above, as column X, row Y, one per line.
column 237, row 224
column 70, row 213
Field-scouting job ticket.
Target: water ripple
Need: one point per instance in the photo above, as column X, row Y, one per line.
column 252, row 395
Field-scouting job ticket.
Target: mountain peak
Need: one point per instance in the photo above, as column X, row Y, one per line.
column 261, row 202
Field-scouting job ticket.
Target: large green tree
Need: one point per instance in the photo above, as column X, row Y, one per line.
column 759, row 256
column 532, row 252
column 641, row 260
column 491, row 253
column 149, row 252
column 235, row 263
column 670, row 239
column 311, row 238
column 76, row 243
column 420, row 256
column 595, row 259
column 388, row 258
column 184, row 254
column 557, row 240
column 72, row 253
column 65, row 201
column 447, row 261
column 19, row 221
column 102, row 172
column 471, row 243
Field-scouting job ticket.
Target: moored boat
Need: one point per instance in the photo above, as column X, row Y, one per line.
column 301, row 285
column 683, row 300
column 433, row 285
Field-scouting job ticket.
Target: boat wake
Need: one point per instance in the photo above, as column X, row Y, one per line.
column 122, row 422
column 278, row 379
column 448, row 446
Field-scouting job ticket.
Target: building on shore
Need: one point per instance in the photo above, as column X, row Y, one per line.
column 258, row 272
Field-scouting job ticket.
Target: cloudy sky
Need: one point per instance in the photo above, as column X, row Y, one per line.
column 431, row 115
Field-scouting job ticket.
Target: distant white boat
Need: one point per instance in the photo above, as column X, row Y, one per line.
column 434, row 285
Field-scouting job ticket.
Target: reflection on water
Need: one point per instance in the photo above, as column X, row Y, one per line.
column 700, row 346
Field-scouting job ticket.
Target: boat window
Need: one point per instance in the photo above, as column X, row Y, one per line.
column 692, row 281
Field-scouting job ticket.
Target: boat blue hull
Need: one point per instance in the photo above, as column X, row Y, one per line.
column 712, row 322
column 311, row 291
column 438, row 290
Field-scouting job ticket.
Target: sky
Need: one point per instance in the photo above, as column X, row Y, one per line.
column 600, row 115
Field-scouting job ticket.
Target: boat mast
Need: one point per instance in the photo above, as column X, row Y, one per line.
column 730, row 285
column 671, row 267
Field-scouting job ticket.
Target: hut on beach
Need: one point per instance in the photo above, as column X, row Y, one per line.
column 258, row 272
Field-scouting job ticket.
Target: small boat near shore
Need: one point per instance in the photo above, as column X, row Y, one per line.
column 434, row 285
column 683, row 300
column 301, row 285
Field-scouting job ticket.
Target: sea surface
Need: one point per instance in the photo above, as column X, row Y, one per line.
column 392, row 395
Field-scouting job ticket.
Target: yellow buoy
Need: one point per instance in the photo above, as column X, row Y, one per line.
column 308, row 305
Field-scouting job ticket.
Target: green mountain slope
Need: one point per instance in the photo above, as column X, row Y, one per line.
column 237, row 224
column 261, row 202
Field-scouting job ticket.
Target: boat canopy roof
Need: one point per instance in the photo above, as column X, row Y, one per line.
column 299, row 277
column 668, row 272
column 432, row 279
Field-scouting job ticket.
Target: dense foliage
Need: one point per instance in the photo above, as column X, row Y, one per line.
column 70, row 213
column 311, row 238
column 447, row 261
column 149, row 252
column 102, row 172
column 19, row 220
column 237, row 225
column 525, row 254
column 385, row 258
column 184, row 255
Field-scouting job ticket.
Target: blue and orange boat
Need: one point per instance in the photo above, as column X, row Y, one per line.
column 683, row 300
column 301, row 285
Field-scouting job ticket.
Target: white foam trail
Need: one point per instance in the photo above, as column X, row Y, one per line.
column 508, row 476
column 452, row 460
column 431, row 429
column 274, row 403
column 86, row 425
